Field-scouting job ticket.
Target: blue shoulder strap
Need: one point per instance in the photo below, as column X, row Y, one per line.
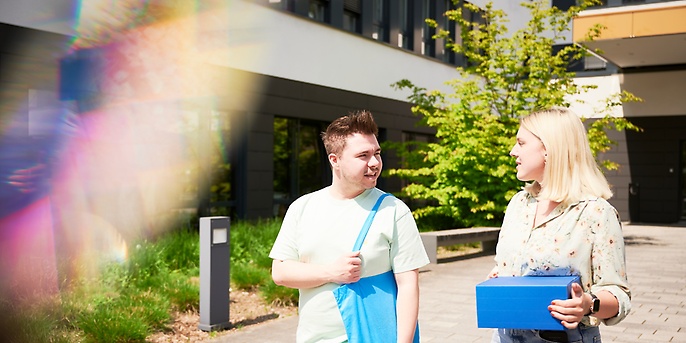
column 368, row 223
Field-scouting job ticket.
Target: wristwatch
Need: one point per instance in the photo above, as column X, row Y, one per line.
column 595, row 304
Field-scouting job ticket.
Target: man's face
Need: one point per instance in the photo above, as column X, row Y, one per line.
column 359, row 163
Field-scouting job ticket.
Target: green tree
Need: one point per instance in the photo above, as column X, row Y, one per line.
column 468, row 176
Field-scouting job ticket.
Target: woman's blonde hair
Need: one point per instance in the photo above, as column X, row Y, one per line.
column 571, row 173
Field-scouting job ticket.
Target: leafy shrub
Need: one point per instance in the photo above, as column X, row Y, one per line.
column 33, row 322
column 250, row 262
column 276, row 294
column 252, row 241
column 127, row 317
column 246, row 275
column 133, row 299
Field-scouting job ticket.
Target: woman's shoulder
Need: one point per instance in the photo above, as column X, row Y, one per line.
column 597, row 206
column 522, row 195
column 599, row 203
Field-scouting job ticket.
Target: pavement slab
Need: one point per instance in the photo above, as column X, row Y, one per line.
column 656, row 266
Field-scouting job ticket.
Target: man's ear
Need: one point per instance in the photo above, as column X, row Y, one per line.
column 333, row 160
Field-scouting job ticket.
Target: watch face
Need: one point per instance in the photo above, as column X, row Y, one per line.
column 596, row 304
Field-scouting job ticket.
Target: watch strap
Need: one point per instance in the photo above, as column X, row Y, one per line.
column 595, row 303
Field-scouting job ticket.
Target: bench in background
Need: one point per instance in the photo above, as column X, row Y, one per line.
column 488, row 236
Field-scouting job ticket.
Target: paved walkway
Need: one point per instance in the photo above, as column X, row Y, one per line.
column 656, row 265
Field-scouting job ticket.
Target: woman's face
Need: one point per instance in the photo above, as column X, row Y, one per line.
column 530, row 155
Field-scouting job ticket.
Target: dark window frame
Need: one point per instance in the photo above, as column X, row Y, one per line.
column 380, row 20
column 294, row 187
column 323, row 13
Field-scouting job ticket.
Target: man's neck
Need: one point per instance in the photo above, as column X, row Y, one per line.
column 341, row 193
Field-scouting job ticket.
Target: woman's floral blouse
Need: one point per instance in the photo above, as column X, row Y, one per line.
column 584, row 239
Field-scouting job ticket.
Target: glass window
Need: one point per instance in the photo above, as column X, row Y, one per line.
column 380, row 20
column 288, row 5
column 318, row 10
column 282, row 152
column 300, row 162
column 427, row 32
column 589, row 62
column 449, row 25
column 221, row 172
column 564, row 5
column 351, row 16
column 351, row 21
column 633, row 2
column 405, row 34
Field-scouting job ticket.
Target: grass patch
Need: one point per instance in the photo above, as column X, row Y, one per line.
column 250, row 262
column 129, row 301
column 458, row 250
column 37, row 322
column 124, row 317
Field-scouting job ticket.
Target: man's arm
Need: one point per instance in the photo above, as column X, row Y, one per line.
column 295, row 274
column 408, row 304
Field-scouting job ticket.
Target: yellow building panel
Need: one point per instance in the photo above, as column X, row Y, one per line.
column 618, row 26
column 660, row 22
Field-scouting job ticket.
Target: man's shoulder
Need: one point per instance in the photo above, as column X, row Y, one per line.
column 307, row 196
column 391, row 200
column 300, row 203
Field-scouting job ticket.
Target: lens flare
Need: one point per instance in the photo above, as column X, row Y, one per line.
column 110, row 156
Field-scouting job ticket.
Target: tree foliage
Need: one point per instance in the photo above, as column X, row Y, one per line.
column 468, row 176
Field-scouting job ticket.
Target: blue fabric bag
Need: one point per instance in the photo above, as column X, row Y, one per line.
column 368, row 306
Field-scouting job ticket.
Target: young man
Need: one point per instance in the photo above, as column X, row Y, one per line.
column 313, row 249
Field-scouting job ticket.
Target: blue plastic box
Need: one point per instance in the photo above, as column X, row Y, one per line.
column 521, row 302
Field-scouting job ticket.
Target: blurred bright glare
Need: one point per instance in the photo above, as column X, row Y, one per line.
column 111, row 155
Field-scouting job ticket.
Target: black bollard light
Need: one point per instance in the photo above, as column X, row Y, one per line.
column 214, row 273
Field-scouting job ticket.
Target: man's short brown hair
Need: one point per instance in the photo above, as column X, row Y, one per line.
column 356, row 122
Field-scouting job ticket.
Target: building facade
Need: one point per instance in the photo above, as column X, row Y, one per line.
column 285, row 69
column 646, row 40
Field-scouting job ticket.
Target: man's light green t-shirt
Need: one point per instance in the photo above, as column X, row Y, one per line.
column 319, row 229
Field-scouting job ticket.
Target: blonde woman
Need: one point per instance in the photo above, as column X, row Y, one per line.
column 561, row 224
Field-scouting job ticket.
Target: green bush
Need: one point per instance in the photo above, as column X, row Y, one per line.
column 252, row 241
column 131, row 300
column 250, row 262
column 246, row 275
column 180, row 250
column 183, row 293
column 127, row 317
column 279, row 295
column 36, row 323
column 467, row 173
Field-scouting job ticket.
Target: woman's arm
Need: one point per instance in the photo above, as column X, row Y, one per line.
column 571, row 311
column 610, row 283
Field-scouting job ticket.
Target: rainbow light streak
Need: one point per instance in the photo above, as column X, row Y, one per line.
column 123, row 136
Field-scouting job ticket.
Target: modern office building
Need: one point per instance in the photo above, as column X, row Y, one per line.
column 282, row 70
column 646, row 41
